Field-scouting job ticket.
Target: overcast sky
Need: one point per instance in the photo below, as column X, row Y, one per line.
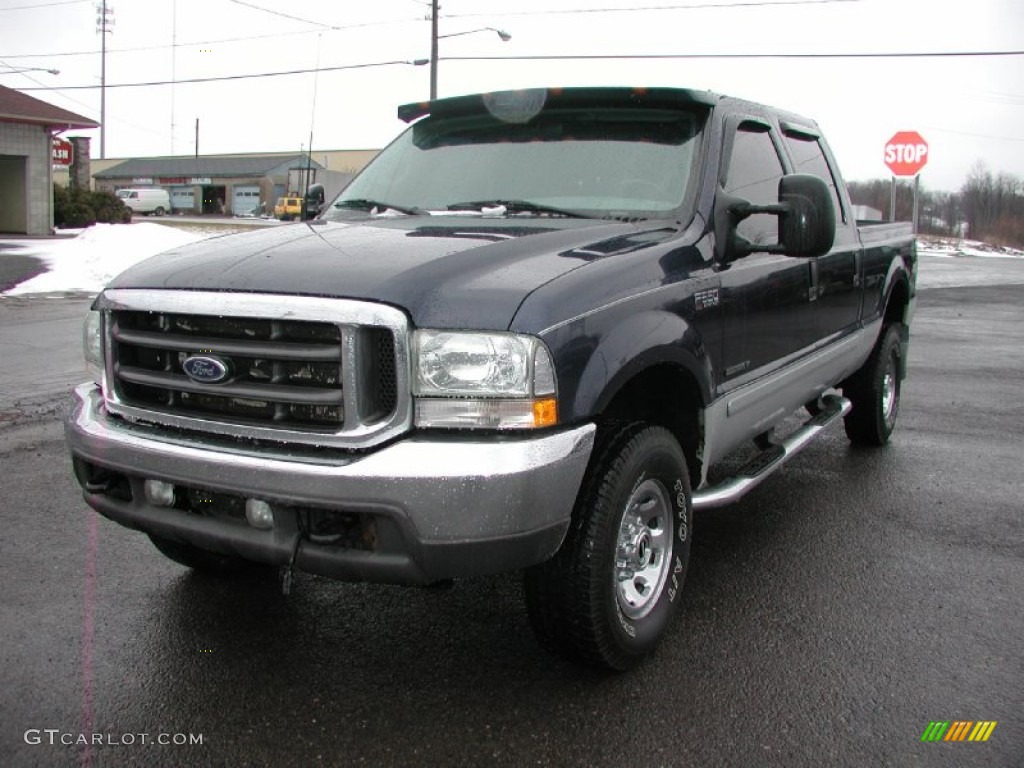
column 967, row 108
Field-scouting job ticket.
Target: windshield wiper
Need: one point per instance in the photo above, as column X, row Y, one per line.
column 364, row 204
column 517, row 206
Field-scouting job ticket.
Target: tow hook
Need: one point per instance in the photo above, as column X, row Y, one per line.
column 286, row 570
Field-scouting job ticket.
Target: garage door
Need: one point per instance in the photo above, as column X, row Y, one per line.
column 14, row 194
column 245, row 199
column 182, row 199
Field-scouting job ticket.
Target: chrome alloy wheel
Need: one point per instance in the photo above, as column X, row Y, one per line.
column 643, row 550
column 890, row 393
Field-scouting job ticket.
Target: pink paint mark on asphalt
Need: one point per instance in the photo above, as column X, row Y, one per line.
column 88, row 613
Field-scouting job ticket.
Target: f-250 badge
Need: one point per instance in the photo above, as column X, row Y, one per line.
column 706, row 299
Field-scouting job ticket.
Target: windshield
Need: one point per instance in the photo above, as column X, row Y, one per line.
column 596, row 162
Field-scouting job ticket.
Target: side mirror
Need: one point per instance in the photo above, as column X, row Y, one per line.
column 807, row 226
column 807, row 220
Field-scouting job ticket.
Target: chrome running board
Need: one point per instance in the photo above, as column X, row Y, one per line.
column 771, row 459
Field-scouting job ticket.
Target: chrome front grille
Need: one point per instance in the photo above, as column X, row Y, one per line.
column 282, row 371
column 315, row 371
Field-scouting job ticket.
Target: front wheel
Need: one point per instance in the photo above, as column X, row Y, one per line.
column 875, row 391
column 607, row 596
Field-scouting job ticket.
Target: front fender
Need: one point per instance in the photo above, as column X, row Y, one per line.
column 634, row 345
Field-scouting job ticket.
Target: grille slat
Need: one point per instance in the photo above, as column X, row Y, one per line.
column 280, row 393
column 271, row 349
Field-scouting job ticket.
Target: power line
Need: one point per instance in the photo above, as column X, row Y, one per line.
column 42, row 5
column 278, row 13
column 930, row 128
column 643, row 56
column 224, row 78
column 690, row 6
column 45, row 87
column 559, row 57
column 72, row 99
column 995, row 97
column 246, row 38
column 343, row 27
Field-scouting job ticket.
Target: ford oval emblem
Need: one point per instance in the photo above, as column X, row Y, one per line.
column 206, row 369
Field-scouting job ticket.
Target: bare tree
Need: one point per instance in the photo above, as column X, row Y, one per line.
column 988, row 207
column 993, row 206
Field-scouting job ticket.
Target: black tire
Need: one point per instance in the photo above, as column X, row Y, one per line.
column 587, row 604
column 202, row 560
column 159, row 210
column 875, row 390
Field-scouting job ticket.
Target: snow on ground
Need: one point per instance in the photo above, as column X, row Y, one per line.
column 949, row 247
column 87, row 262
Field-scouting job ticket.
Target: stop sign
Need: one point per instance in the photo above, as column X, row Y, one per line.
column 906, row 153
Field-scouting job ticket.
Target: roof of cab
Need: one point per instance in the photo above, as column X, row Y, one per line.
column 532, row 100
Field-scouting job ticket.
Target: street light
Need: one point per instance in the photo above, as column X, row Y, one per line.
column 434, row 37
column 505, row 36
column 19, row 70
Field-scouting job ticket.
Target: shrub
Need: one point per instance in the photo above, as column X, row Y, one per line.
column 76, row 208
column 110, row 208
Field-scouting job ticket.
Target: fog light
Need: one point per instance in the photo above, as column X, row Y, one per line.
column 259, row 514
column 159, row 493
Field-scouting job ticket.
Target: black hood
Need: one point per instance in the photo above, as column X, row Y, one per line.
column 447, row 273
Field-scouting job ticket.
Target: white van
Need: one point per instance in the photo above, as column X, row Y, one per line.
column 155, row 201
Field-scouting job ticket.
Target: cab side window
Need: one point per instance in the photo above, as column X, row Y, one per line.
column 809, row 158
column 754, row 173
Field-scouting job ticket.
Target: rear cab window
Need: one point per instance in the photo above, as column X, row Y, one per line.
column 753, row 174
column 809, row 157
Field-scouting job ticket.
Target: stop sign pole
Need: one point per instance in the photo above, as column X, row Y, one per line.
column 906, row 153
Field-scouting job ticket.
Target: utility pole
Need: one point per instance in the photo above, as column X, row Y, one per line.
column 104, row 22
column 434, row 36
column 174, row 62
column 917, row 193
column 433, row 49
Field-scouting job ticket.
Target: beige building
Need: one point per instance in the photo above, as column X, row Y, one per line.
column 27, row 129
column 235, row 184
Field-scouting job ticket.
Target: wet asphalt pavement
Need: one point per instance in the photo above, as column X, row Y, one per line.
column 15, row 268
column 828, row 617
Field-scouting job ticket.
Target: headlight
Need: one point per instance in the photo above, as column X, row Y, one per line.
column 92, row 345
column 483, row 380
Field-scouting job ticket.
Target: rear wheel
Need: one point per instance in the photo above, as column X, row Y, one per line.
column 159, row 210
column 607, row 596
column 874, row 391
column 202, row 560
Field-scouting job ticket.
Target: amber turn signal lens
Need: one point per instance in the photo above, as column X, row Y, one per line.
column 545, row 412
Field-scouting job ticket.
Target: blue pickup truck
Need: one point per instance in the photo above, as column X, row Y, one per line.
column 529, row 336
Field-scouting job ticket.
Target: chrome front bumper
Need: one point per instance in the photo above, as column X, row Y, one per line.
column 441, row 506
